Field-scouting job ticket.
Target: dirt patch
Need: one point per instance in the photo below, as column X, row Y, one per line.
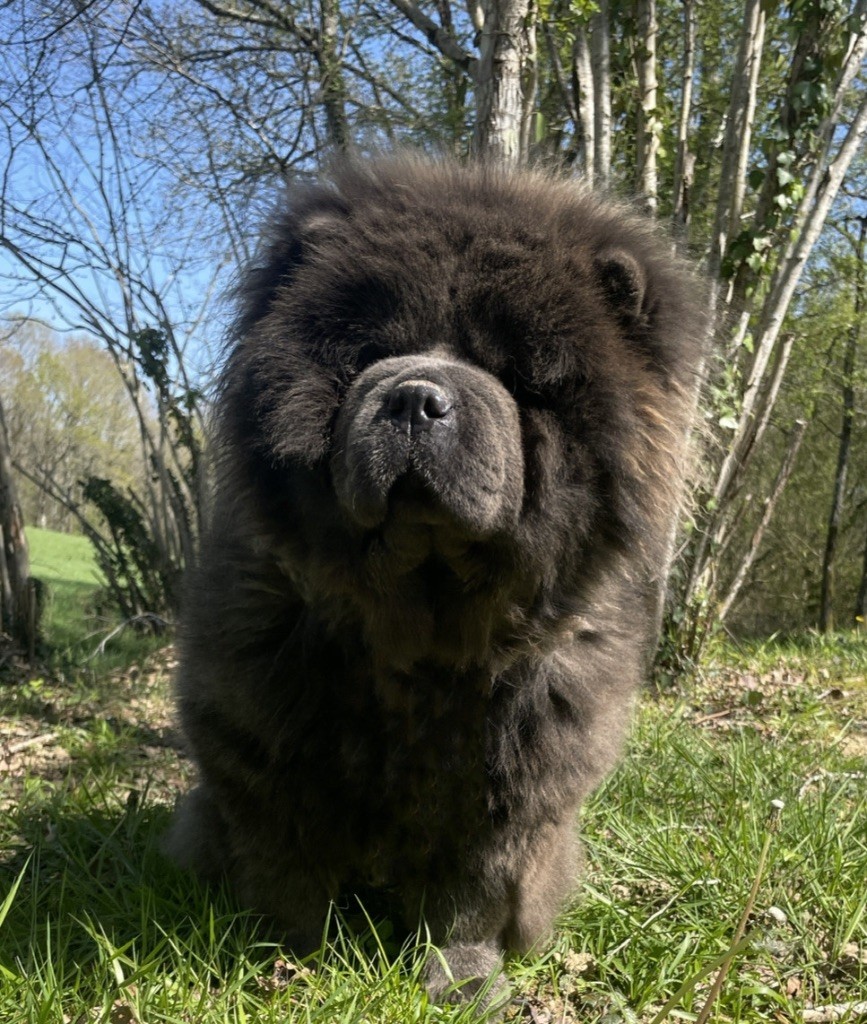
column 53, row 731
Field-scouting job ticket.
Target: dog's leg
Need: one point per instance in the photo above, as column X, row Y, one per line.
column 266, row 873
column 546, row 880
column 465, row 919
column 294, row 895
column 508, row 906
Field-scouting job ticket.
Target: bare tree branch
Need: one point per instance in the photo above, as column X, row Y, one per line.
column 437, row 36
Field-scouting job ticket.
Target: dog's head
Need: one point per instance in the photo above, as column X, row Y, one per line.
column 459, row 369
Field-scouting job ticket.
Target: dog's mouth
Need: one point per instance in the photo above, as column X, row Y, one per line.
column 421, row 535
column 412, row 499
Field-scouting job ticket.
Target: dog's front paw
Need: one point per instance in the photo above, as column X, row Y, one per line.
column 461, row 973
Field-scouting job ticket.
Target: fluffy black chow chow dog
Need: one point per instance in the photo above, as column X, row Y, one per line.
column 451, row 436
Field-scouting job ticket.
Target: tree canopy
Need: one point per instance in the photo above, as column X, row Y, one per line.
column 145, row 140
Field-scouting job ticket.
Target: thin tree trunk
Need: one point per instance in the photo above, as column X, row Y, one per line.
column 826, row 604
column 583, row 88
column 684, row 161
column 18, row 604
column 330, row 63
column 647, row 135
column 728, row 522
column 749, row 558
column 738, row 134
column 861, row 600
column 570, row 92
column 600, row 44
column 454, row 87
column 529, row 79
column 500, row 86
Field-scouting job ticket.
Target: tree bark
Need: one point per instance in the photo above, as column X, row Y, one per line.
column 18, row 604
column 570, row 92
column 835, row 517
column 738, row 134
column 600, row 44
column 647, row 133
column 584, row 90
column 861, row 600
column 331, row 81
column 529, row 78
column 684, row 161
column 504, row 48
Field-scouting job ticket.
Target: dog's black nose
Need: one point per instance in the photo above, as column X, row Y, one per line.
column 416, row 405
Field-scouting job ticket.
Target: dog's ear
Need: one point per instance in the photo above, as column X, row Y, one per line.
column 293, row 240
column 623, row 281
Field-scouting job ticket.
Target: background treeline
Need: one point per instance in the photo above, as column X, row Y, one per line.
column 143, row 143
column 68, row 418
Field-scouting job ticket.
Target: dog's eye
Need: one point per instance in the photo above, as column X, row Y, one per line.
column 368, row 354
column 521, row 389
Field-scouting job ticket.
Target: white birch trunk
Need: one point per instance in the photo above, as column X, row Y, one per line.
column 582, row 72
column 600, row 42
column 647, row 134
column 529, row 79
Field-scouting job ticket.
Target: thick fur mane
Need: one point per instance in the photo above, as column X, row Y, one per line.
column 451, row 438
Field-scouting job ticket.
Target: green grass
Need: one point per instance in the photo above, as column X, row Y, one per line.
column 76, row 618
column 839, row 656
column 102, row 928
column 65, row 563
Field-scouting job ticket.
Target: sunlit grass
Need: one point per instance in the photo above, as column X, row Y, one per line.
column 839, row 656
column 76, row 616
column 95, row 925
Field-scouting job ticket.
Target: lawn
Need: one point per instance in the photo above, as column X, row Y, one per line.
column 97, row 927
column 76, row 620
column 66, row 565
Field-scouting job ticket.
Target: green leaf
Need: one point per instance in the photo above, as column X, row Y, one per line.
column 756, row 178
column 9, row 899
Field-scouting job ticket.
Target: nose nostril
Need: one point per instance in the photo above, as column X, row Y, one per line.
column 436, row 405
column 397, row 403
column 415, row 405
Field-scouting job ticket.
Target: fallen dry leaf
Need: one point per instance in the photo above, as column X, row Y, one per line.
column 283, row 975
column 793, row 985
column 122, row 1013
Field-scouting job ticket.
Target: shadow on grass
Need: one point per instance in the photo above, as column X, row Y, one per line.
column 93, row 881
column 96, row 891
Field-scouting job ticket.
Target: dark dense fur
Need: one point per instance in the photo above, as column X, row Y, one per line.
column 451, row 435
